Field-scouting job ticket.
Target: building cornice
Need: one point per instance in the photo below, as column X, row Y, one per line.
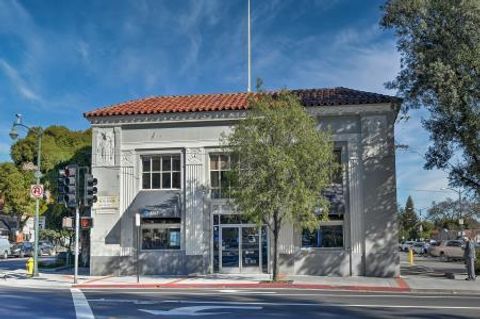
column 220, row 116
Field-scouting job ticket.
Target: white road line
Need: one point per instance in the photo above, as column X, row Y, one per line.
column 214, row 293
column 233, row 291
column 82, row 308
column 320, row 304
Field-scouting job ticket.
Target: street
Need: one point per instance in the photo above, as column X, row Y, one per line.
column 55, row 301
column 61, row 303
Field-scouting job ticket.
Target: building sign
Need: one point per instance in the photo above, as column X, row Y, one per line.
column 160, row 212
column 103, row 202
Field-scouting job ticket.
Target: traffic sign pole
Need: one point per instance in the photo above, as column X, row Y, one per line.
column 38, row 175
column 77, row 232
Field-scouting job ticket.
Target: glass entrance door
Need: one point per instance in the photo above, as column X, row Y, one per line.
column 250, row 252
column 230, row 249
column 240, row 249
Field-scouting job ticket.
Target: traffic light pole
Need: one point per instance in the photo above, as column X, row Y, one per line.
column 73, row 196
column 77, row 235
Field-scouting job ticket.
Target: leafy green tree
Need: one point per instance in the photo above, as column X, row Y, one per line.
column 439, row 45
column 446, row 214
column 409, row 220
column 60, row 146
column 283, row 164
column 15, row 191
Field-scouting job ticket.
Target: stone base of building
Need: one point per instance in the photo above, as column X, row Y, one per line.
column 303, row 262
column 165, row 263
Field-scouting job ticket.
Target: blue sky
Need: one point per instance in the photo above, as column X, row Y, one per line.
column 59, row 59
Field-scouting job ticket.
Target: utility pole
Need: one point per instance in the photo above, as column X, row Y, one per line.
column 77, row 235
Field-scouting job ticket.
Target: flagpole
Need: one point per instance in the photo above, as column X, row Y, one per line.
column 249, row 87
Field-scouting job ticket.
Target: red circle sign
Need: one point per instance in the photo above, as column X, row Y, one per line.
column 36, row 191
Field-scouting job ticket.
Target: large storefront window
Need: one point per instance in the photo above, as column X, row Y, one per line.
column 326, row 236
column 161, row 172
column 219, row 168
column 160, row 233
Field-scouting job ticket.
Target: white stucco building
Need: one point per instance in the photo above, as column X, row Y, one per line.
column 161, row 157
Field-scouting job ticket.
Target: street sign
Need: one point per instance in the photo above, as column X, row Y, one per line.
column 36, row 191
column 67, row 222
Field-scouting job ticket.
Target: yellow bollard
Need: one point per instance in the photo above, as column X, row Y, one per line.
column 410, row 256
column 29, row 266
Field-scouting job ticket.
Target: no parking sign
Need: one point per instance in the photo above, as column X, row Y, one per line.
column 36, row 191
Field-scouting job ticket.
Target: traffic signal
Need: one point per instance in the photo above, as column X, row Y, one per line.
column 89, row 190
column 70, row 187
column 61, row 186
column 86, row 222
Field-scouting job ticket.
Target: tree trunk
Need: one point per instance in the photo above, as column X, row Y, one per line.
column 275, row 247
column 275, row 255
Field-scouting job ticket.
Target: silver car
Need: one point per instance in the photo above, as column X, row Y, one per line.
column 449, row 250
column 4, row 247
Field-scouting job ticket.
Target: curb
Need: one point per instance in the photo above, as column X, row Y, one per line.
column 244, row 286
column 446, row 291
column 54, row 270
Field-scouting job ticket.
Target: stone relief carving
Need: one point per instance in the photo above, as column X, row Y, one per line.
column 105, row 147
column 193, row 156
column 128, row 158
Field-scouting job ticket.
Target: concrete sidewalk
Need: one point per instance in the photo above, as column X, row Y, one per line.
column 219, row 281
column 257, row 281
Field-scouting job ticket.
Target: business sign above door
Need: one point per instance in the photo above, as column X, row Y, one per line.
column 160, row 212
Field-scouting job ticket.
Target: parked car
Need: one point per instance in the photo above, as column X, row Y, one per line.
column 4, row 247
column 406, row 245
column 419, row 248
column 22, row 249
column 46, row 248
column 430, row 244
column 448, row 250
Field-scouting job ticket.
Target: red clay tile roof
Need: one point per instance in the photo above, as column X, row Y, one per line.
column 236, row 101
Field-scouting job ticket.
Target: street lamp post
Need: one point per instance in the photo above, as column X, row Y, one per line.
column 460, row 215
column 38, row 174
column 420, row 227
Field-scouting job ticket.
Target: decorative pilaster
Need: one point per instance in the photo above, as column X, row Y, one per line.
column 194, row 215
column 355, row 207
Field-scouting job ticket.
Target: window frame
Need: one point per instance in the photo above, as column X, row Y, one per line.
column 160, row 226
column 323, row 224
column 210, row 170
column 151, row 172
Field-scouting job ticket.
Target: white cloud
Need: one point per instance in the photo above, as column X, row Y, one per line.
column 22, row 87
column 199, row 14
column 84, row 51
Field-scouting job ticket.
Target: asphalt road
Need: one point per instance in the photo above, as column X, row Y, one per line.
column 88, row 304
column 30, row 303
